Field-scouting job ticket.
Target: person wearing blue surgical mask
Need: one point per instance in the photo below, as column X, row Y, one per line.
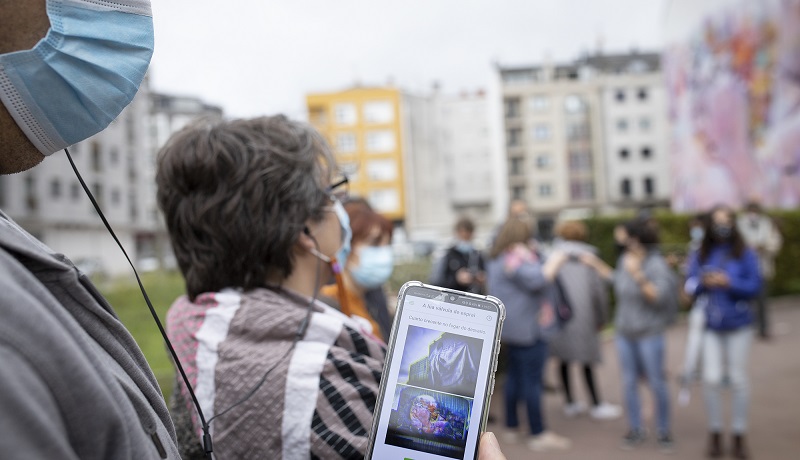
column 359, row 293
column 74, row 384
column 462, row 267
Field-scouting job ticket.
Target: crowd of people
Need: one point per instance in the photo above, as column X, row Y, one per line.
column 284, row 277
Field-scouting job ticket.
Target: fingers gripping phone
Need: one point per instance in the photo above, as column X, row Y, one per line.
column 439, row 375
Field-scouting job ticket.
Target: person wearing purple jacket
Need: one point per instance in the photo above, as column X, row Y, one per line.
column 724, row 275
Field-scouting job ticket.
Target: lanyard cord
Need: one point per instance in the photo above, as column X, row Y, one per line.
column 207, row 445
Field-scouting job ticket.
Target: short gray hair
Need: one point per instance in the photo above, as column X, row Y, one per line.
column 236, row 195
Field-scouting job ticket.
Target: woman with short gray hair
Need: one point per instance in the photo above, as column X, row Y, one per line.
column 256, row 228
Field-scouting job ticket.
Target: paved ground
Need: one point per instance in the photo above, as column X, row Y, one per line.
column 774, row 416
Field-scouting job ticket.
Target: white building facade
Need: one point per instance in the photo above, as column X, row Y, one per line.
column 565, row 129
column 118, row 166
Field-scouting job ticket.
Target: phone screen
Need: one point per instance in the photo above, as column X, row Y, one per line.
column 442, row 360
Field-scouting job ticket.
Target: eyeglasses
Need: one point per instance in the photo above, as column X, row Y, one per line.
column 339, row 190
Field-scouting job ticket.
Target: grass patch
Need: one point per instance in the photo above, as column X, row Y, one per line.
column 126, row 299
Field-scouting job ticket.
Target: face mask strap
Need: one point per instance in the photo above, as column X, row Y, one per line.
column 207, row 444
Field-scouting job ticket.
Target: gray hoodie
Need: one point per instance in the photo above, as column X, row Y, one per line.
column 635, row 316
column 73, row 382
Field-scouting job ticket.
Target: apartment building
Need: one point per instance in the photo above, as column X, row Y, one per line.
column 118, row 165
column 568, row 125
column 363, row 124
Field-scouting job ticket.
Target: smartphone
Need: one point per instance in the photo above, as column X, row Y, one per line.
column 439, row 375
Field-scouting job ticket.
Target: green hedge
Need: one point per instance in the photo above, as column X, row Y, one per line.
column 675, row 239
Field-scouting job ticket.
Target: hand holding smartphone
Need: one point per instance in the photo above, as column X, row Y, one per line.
column 439, row 375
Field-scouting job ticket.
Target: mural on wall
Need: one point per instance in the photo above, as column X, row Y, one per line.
column 735, row 108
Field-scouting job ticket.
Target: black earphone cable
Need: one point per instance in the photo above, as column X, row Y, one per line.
column 207, row 444
column 301, row 330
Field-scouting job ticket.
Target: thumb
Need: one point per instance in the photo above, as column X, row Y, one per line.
column 489, row 448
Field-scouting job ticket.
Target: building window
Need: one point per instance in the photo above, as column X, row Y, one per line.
column 382, row 170
column 345, row 114
column 114, row 156
column 97, row 157
column 619, row 95
column 318, row 115
column 512, row 107
column 378, row 112
column 647, row 153
column 380, row 141
column 55, row 188
column 642, row 94
column 622, row 125
column 349, row 169
column 625, row 188
column 574, row 104
column 545, row 190
column 346, row 143
column 577, row 131
column 385, row 200
column 75, row 191
column 581, row 190
column 130, row 129
column 31, row 201
column 514, row 137
column 580, row 161
column 649, row 187
column 624, row 154
column 644, row 124
column 115, row 196
column 539, row 103
column 541, row 132
column 516, row 167
column 542, row 161
column 97, row 191
column 518, row 192
column 133, row 210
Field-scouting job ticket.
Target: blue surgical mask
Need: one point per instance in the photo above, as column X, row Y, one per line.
column 464, row 247
column 375, row 265
column 347, row 234
column 82, row 74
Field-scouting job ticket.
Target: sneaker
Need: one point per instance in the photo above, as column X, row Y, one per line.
column 665, row 443
column 549, row 441
column 633, row 439
column 510, row 436
column 605, row 411
column 575, row 409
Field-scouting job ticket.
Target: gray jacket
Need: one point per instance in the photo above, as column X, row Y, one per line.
column 522, row 292
column 73, row 383
column 635, row 316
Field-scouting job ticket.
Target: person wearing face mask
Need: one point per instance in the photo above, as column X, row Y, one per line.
column 367, row 269
column 73, row 384
column 762, row 235
column 724, row 275
column 463, row 267
column 254, row 253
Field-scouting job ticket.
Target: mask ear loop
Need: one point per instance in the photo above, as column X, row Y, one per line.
column 207, row 444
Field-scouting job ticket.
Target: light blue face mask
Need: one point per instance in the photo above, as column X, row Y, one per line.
column 82, row 74
column 375, row 265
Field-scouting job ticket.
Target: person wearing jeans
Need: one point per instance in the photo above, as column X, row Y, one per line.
column 646, row 293
column 524, row 282
column 725, row 274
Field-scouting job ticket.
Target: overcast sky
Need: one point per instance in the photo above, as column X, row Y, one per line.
column 256, row 57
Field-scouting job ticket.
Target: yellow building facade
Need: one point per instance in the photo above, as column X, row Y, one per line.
column 363, row 125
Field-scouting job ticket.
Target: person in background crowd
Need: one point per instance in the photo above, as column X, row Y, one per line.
column 620, row 240
column 74, row 383
column 266, row 357
column 724, row 275
column 579, row 340
column 646, row 295
column 697, row 315
column 368, row 267
column 524, row 282
column 462, row 267
column 762, row 235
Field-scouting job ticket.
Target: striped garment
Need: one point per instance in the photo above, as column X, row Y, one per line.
column 316, row 403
